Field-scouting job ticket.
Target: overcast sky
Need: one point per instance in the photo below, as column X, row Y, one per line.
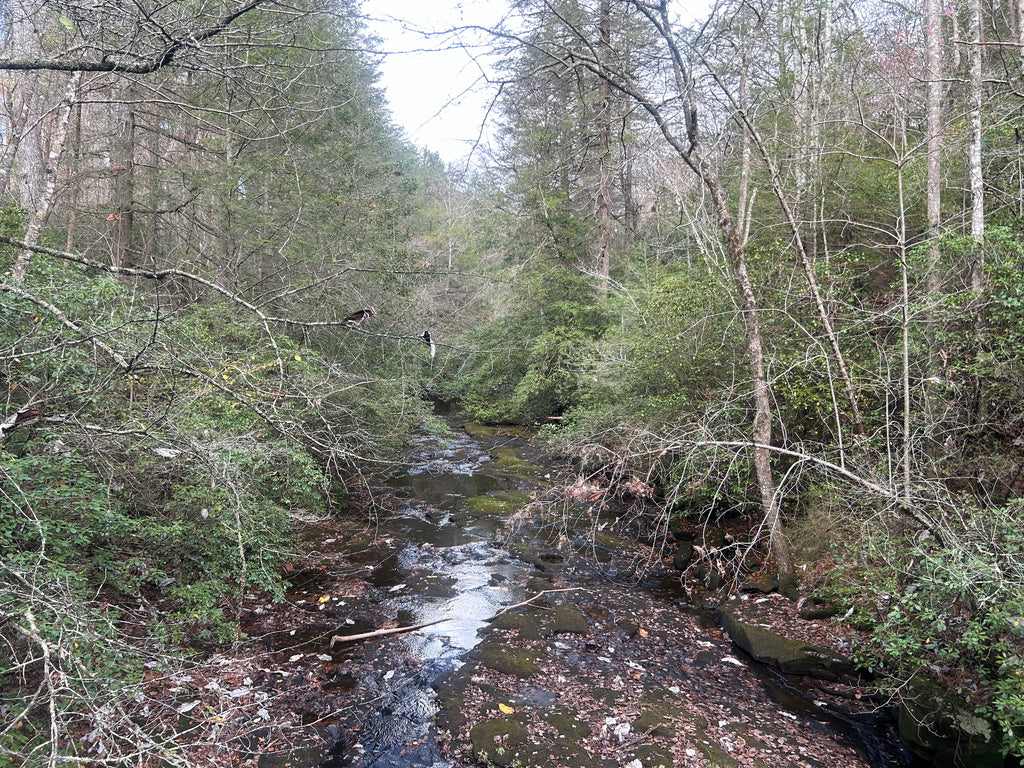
column 436, row 90
column 437, row 96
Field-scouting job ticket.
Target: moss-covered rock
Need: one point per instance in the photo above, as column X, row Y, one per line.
column 451, row 689
column 566, row 619
column 714, row 537
column 495, row 655
column 526, row 624
column 765, row 583
column 655, row 718
column 683, row 556
column 654, row 756
column 501, row 741
column 479, row 431
column 494, row 504
column 547, row 560
column 791, row 656
column 942, row 729
column 569, row 727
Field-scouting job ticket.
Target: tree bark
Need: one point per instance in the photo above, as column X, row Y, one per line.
column 41, row 177
column 689, row 149
column 974, row 151
column 933, row 69
column 123, row 197
column 602, row 260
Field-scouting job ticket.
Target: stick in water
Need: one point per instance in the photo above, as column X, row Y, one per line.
column 382, row 632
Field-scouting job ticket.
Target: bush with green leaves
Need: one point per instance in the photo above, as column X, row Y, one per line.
column 953, row 611
column 533, row 362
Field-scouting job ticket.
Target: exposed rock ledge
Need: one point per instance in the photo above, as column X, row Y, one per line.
column 795, row 657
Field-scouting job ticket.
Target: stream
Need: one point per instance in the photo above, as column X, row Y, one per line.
column 596, row 671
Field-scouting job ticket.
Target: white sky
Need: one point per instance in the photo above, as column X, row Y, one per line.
column 434, row 88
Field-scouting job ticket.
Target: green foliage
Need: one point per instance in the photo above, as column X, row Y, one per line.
column 533, row 362
column 955, row 611
column 680, row 357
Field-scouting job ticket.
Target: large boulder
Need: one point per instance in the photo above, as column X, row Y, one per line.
column 791, row 656
column 942, row 729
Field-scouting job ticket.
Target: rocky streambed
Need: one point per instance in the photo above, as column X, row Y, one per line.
column 545, row 649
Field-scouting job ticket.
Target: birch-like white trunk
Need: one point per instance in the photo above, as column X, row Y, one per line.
column 39, row 172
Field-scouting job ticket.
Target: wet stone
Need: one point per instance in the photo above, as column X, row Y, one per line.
column 566, row 619
column 510, row 661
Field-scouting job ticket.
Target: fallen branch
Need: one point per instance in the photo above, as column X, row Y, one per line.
column 508, row 608
column 414, row 627
column 382, row 632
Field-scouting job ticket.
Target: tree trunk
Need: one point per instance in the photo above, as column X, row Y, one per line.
column 40, row 175
column 762, row 428
column 933, row 69
column 974, row 151
column 123, row 202
column 602, row 260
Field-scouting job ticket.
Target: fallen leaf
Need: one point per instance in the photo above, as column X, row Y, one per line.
column 506, row 709
column 642, row 632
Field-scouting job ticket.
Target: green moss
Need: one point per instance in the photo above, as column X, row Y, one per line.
column 527, row 624
column 654, row 756
column 566, row 619
column 655, row 720
column 570, row 729
column 497, row 503
column 507, row 458
column 510, row 661
column 500, row 741
column 478, row 430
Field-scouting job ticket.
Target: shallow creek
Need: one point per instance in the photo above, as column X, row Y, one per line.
column 450, row 541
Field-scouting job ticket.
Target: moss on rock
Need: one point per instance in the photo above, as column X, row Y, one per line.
column 527, row 624
column 791, row 656
column 496, row 655
column 566, row 619
column 497, row 503
column 500, row 741
column 568, row 725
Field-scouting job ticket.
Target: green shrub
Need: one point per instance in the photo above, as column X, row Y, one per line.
column 955, row 611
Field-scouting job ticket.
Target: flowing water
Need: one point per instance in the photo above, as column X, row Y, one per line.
column 442, row 552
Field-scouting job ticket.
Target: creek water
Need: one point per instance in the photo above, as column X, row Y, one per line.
column 442, row 552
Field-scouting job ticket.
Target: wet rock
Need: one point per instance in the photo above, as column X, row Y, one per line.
column 943, row 729
column 566, row 619
column 683, row 556
column 788, row 655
